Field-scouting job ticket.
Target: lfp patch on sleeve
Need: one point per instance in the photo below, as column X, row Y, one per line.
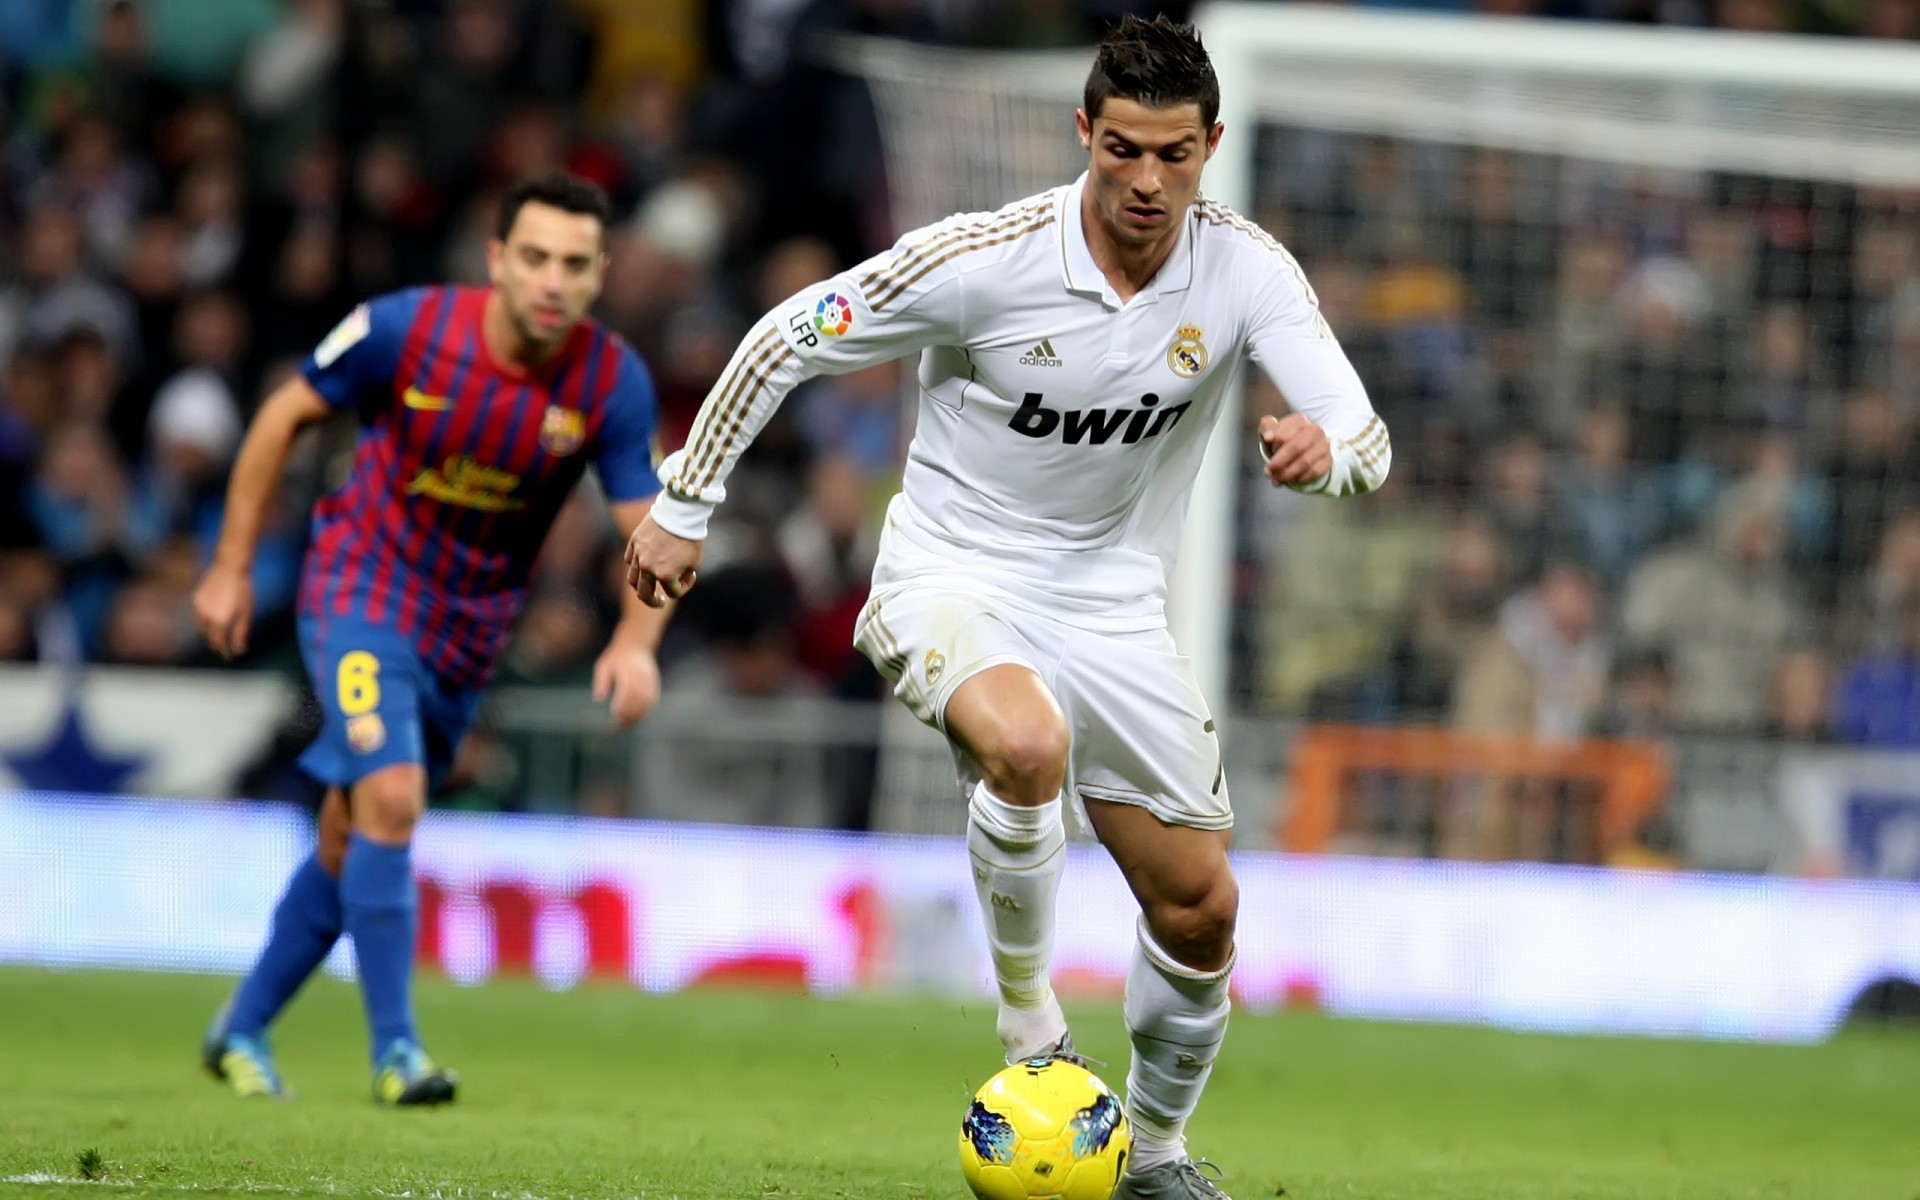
column 351, row 329
column 812, row 322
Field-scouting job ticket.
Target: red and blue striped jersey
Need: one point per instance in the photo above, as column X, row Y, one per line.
column 461, row 465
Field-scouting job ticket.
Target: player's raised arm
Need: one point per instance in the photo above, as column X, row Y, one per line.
column 1332, row 443
column 891, row 305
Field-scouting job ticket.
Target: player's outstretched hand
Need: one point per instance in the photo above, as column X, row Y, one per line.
column 627, row 680
column 1298, row 451
column 223, row 609
column 660, row 566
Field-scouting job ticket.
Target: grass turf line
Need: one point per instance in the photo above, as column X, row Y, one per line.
column 606, row 1092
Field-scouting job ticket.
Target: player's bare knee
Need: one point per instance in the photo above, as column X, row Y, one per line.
column 387, row 805
column 1027, row 765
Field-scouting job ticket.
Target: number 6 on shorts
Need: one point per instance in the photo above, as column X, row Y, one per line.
column 358, row 683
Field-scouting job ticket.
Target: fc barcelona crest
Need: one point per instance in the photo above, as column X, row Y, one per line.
column 1188, row 354
column 562, row 430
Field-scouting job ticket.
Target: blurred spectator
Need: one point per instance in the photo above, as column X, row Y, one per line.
column 30, row 583
column 209, row 206
column 1452, row 612
column 78, row 499
column 305, row 298
column 1872, row 473
column 1588, row 329
column 463, row 90
column 828, row 547
column 1800, row 696
column 1519, row 503
column 1592, row 361
column 1890, row 587
column 193, row 433
column 746, row 615
column 856, row 414
column 1543, row 668
column 1419, row 306
column 1878, row 703
column 557, row 640
column 57, row 295
column 114, row 80
column 16, row 632
column 153, row 273
column 790, row 267
column 748, row 671
column 150, row 625
column 646, row 140
column 1640, row 702
column 1608, row 508
column 201, row 43
column 394, row 216
column 1775, row 389
column 1720, row 608
column 1662, row 372
column 95, row 181
column 294, row 56
column 1338, row 585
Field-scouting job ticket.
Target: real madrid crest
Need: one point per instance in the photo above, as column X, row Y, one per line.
column 936, row 662
column 562, row 430
column 1188, row 354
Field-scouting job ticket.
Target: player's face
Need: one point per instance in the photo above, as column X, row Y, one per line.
column 548, row 270
column 1146, row 165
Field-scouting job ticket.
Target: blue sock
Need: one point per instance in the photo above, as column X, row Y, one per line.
column 305, row 926
column 376, row 892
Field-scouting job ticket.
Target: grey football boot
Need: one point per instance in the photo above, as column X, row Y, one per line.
column 1181, row 1180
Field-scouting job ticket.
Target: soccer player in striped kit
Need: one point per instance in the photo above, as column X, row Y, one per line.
column 481, row 408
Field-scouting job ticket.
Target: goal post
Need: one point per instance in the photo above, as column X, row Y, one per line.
column 974, row 130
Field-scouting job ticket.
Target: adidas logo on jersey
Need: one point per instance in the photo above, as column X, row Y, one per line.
column 1042, row 355
column 1097, row 426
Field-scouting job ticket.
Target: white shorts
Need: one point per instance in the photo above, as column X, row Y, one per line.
column 1141, row 730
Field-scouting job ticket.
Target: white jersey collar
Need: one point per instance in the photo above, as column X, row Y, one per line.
column 1081, row 275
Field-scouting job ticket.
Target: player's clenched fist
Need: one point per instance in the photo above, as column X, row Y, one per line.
column 223, row 609
column 1297, row 450
column 660, row 566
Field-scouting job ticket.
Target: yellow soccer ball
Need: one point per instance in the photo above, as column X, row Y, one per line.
column 1045, row 1129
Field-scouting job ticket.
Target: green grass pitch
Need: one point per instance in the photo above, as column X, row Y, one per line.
column 605, row 1092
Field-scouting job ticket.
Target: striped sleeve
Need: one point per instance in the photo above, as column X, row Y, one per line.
column 1292, row 343
column 895, row 303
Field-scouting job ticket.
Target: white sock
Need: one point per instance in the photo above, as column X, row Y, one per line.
column 1018, row 855
column 1177, row 1018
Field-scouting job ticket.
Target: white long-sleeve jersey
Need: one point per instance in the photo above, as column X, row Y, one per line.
column 1059, row 430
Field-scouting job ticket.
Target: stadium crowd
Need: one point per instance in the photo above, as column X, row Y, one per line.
column 1658, row 472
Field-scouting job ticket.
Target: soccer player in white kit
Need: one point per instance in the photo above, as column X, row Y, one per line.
column 1075, row 350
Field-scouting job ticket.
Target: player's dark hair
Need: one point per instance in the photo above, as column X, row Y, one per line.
column 568, row 193
column 1158, row 63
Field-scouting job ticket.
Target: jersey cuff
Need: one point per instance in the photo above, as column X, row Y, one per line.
column 1317, row 486
column 682, row 517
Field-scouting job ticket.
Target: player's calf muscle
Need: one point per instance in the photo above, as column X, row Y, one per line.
column 335, row 827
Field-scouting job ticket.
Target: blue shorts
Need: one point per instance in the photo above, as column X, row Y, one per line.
column 380, row 704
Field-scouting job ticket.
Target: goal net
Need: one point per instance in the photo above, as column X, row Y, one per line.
column 1641, row 307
